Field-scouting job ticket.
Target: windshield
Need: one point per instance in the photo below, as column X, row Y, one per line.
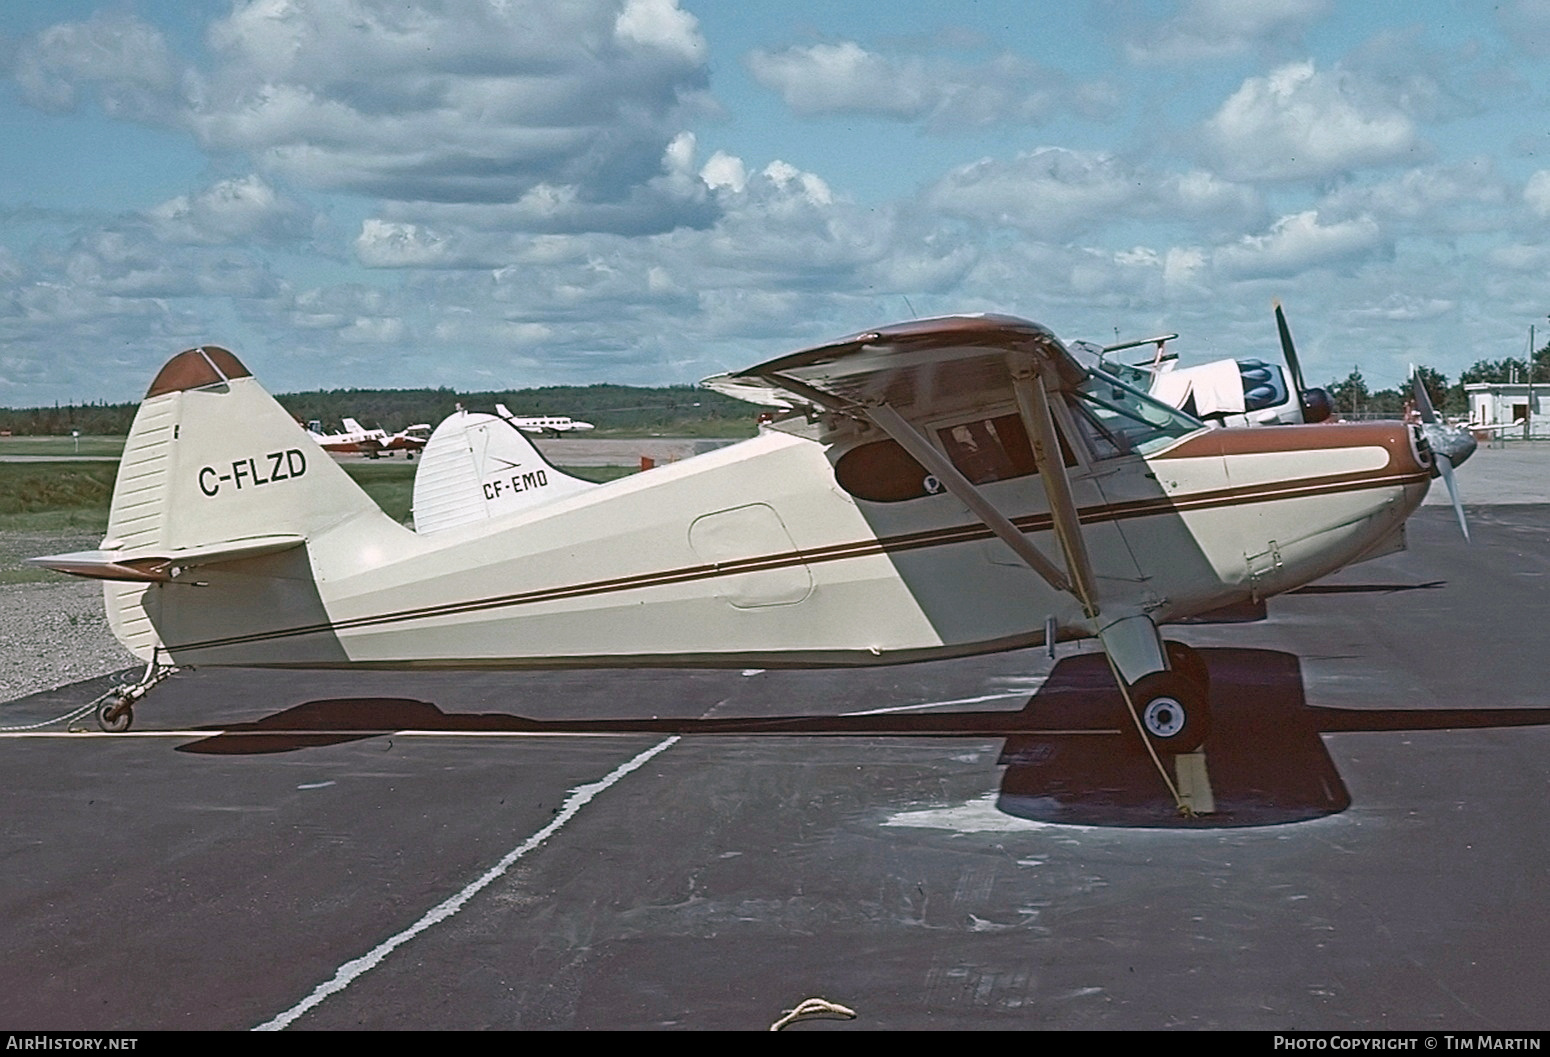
column 1121, row 420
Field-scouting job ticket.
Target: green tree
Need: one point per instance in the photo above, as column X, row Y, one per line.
column 1351, row 396
column 1437, row 389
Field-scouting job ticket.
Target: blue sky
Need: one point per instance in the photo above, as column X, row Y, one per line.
column 508, row 193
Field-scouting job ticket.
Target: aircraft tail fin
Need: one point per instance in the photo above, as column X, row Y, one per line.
column 478, row 466
column 214, row 472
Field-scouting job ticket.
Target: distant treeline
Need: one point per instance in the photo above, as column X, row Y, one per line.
column 676, row 410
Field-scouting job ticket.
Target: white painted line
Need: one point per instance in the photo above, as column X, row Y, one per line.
column 77, row 735
column 938, row 704
column 352, row 970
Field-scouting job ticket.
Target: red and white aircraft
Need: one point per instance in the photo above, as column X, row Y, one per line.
column 356, row 439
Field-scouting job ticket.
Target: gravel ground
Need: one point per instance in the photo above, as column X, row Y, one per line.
column 52, row 631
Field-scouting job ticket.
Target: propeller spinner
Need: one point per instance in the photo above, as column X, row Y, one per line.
column 1450, row 445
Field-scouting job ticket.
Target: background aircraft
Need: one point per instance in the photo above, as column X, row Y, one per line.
column 1244, row 392
column 553, row 425
column 409, row 440
column 354, row 439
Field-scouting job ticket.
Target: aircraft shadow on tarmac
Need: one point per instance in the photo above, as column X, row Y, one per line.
column 1071, row 753
column 1366, row 589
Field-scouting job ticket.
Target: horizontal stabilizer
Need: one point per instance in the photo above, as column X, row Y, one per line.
column 161, row 564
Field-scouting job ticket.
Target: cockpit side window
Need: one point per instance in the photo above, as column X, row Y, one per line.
column 1116, row 419
column 983, row 450
column 992, row 449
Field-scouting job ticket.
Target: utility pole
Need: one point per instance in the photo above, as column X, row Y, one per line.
column 1528, row 412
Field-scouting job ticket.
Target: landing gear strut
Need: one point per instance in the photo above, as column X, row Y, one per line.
column 115, row 709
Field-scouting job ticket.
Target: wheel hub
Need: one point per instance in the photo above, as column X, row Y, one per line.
column 1163, row 717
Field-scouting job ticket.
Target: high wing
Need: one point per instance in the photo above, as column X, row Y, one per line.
column 899, row 378
column 917, row 368
column 896, row 376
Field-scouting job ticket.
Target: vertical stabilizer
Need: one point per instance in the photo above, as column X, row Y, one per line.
column 212, row 460
column 479, row 466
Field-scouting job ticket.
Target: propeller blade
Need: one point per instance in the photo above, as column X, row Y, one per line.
column 1315, row 403
column 1288, row 350
column 1445, row 465
column 1423, row 402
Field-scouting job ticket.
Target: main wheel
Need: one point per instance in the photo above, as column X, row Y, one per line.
column 115, row 722
column 1173, row 711
column 1186, row 660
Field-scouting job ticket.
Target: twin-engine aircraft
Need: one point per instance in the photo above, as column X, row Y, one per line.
column 937, row 488
column 353, row 439
column 356, row 439
column 553, row 425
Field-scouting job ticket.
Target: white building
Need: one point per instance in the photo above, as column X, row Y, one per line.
column 1508, row 403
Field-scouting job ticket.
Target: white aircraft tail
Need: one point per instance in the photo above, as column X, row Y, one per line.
column 478, row 466
column 219, row 494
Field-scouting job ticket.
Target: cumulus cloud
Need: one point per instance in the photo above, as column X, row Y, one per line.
column 844, row 77
column 724, row 171
column 1536, row 193
column 563, row 111
column 1299, row 123
column 1461, row 197
column 660, row 24
column 1403, row 308
column 1055, row 193
column 242, row 209
column 466, row 102
column 388, row 244
column 1051, row 193
column 1212, row 29
column 1299, row 242
column 125, row 61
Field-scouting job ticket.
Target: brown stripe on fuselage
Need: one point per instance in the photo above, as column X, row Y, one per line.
column 957, row 534
column 1394, row 437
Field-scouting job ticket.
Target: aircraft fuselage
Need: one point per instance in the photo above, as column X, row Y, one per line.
column 757, row 555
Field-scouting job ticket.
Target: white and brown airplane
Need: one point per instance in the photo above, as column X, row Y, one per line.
column 943, row 487
column 553, row 425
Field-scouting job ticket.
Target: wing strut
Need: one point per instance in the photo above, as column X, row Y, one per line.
column 910, row 439
column 1033, row 405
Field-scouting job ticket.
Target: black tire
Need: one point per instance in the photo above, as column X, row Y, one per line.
column 1173, row 711
column 116, row 724
column 1186, row 660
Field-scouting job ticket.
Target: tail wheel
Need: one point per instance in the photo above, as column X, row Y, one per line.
column 1173, row 711
column 115, row 714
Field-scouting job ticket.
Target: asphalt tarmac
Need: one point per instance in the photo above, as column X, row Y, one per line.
column 978, row 843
